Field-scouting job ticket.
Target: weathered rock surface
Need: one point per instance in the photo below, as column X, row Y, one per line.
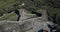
column 25, row 24
column 29, row 25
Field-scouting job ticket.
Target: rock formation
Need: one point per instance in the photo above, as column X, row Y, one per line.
column 25, row 24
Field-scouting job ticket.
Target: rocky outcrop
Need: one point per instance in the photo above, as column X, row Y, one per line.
column 29, row 25
column 25, row 24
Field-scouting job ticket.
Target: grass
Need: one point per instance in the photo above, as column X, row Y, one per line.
column 9, row 16
column 7, row 4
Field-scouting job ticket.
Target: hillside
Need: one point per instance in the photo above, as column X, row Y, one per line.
column 29, row 15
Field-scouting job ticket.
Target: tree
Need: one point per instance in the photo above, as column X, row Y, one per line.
column 53, row 3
